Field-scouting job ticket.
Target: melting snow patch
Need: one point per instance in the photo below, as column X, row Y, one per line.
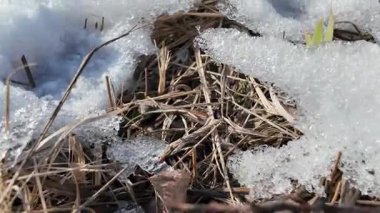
column 294, row 17
column 142, row 151
column 336, row 89
column 51, row 35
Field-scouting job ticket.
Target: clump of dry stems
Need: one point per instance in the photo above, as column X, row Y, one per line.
column 206, row 112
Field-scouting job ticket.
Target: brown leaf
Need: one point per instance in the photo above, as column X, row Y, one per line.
column 171, row 187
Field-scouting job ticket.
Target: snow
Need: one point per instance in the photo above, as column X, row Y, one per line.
column 51, row 35
column 294, row 17
column 335, row 87
column 142, row 151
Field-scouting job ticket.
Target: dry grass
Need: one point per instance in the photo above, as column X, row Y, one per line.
column 204, row 110
column 66, row 176
column 207, row 109
column 5, row 205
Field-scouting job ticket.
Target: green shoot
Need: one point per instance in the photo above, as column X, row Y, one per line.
column 318, row 37
column 318, row 33
column 330, row 28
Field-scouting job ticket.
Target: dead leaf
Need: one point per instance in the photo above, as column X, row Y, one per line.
column 171, row 187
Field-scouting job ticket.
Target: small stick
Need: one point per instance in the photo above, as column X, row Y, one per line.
column 336, row 193
column 96, row 25
column 336, row 166
column 109, row 93
column 223, row 89
column 85, row 23
column 120, row 95
column 102, row 25
column 203, row 14
column 146, row 82
column 7, row 105
column 32, row 84
column 19, row 82
column 368, row 202
column 113, row 93
column 194, row 166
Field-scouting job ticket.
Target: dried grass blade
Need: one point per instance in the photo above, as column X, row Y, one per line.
column 39, row 188
column 111, row 97
column 29, row 75
column 163, row 59
column 8, row 94
column 279, row 108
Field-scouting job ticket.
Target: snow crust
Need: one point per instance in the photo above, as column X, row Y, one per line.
column 336, row 90
column 51, row 35
column 294, row 17
column 142, row 151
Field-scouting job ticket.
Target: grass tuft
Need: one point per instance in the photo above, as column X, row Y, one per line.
column 204, row 110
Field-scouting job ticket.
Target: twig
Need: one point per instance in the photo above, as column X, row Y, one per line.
column 207, row 15
column 213, row 207
column 110, row 94
column 336, row 193
column 102, row 25
column 146, row 82
column 29, row 75
column 336, row 166
column 7, row 105
column 85, row 23
column 194, row 164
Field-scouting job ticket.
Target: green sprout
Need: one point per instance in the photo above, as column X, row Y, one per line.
column 318, row 38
